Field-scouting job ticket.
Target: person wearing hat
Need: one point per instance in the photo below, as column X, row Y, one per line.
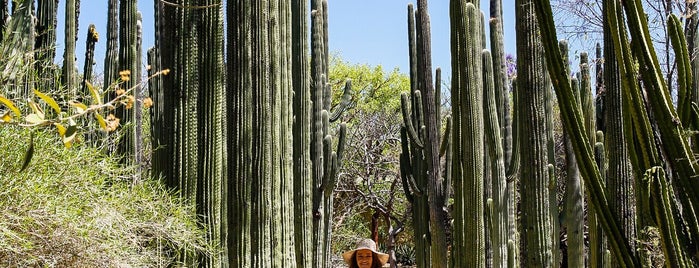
column 365, row 255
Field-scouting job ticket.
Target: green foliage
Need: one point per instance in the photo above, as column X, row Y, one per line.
column 77, row 208
column 374, row 88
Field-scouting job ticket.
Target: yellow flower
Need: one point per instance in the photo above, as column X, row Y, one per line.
column 147, row 102
column 129, row 102
column 112, row 123
column 125, row 75
column 120, row 92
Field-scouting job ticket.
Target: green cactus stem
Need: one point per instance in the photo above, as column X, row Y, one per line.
column 620, row 176
column 45, row 45
column 537, row 234
column 91, row 39
column 467, row 85
column 573, row 124
column 499, row 222
column 69, row 75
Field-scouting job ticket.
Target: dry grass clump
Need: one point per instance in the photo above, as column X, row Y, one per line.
column 78, row 208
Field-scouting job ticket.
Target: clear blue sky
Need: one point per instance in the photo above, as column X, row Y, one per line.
column 361, row 31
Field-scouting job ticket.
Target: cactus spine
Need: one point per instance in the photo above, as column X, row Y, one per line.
column 537, row 236
column 499, row 224
column 259, row 99
column 469, row 235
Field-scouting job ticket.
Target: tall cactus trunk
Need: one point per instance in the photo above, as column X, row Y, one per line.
column 574, row 210
column 302, row 136
column 91, row 39
column 620, row 177
column 127, row 63
column 111, row 59
column 260, row 99
column 212, row 180
column 469, row 235
column 410, row 156
column 325, row 160
column 45, row 45
column 498, row 212
column 537, row 245
column 69, row 77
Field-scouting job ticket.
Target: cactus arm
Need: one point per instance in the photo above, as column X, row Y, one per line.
column 497, row 203
column 446, row 138
column 408, row 121
column 438, row 93
column 684, row 70
column 344, row 102
column 573, row 124
column 447, row 186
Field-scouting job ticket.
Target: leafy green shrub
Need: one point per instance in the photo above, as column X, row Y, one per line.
column 78, row 208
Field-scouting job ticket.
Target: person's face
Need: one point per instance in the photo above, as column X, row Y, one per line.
column 364, row 258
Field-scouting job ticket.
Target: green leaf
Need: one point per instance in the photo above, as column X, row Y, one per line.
column 49, row 100
column 79, row 106
column 29, row 154
column 61, row 129
column 34, row 119
column 10, row 105
column 69, row 136
column 100, row 120
column 6, row 117
column 96, row 98
column 37, row 109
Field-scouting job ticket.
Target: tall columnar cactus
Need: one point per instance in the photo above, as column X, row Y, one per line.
column 412, row 175
column 111, row 58
column 325, row 162
column 69, row 77
column 127, row 66
column 424, row 183
column 212, row 177
column 303, row 180
column 574, row 212
column 259, row 102
column 467, row 94
column 91, row 39
column 537, row 232
column 513, row 171
column 498, row 212
column 501, row 82
column 620, row 177
column 45, row 45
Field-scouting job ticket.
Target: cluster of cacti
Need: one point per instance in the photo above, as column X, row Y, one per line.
column 425, row 185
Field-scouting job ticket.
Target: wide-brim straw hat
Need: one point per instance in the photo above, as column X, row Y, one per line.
column 365, row 244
